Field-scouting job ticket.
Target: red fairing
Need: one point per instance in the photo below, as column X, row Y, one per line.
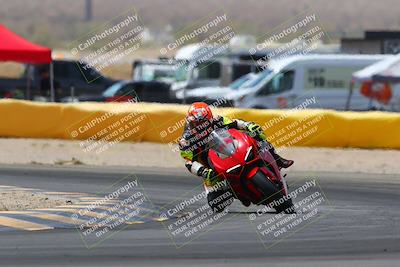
column 243, row 164
column 222, row 165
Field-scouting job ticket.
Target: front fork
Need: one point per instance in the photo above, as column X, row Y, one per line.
column 267, row 157
column 284, row 185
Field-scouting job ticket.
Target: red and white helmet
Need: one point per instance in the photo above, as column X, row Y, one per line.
column 199, row 115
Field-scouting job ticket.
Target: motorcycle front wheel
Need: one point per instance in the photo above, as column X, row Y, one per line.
column 272, row 193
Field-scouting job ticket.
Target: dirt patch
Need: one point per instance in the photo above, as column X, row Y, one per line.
column 63, row 152
column 24, row 200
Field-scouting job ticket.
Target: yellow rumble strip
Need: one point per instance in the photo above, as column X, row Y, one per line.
column 22, row 225
column 46, row 216
column 62, row 216
column 87, row 213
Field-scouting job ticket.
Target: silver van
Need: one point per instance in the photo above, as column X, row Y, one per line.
column 312, row 81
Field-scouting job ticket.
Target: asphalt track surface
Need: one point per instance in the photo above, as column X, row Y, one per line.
column 361, row 226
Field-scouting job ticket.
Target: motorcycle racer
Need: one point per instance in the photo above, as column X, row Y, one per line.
column 200, row 122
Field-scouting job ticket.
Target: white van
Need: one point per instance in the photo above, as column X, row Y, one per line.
column 216, row 91
column 313, row 81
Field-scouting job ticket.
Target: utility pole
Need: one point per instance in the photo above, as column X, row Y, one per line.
column 88, row 10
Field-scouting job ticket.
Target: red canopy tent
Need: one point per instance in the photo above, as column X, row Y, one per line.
column 15, row 48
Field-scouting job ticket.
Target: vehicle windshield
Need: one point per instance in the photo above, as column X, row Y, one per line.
column 157, row 72
column 242, row 81
column 181, row 71
column 112, row 90
column 206, row 70
column 90, row 74
column 222, row 143
column 256, row 80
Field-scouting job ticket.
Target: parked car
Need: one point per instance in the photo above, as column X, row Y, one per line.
column 162, row 70
column 289, row 82
column 71, row 76
column 217, row 91
column 13, row 88
column 124, row 91
column 205, row 65
column 195, row 67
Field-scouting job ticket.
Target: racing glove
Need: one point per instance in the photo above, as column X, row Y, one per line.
column 255, row 131
column 210, row 175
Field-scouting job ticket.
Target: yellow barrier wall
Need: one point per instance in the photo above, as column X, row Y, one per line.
column 163, row 123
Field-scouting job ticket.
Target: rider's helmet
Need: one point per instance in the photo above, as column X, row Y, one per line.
column 199, row 117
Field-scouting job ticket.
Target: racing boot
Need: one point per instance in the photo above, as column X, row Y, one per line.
column 281, row 162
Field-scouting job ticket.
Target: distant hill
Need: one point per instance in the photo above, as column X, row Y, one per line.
column 57, row 22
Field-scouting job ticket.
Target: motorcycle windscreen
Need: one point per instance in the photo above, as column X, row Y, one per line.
column 222, row 143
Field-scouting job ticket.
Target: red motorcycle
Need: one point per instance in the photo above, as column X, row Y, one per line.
column 250, row 170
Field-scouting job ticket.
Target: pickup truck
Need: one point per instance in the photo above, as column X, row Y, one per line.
column 67, row 73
